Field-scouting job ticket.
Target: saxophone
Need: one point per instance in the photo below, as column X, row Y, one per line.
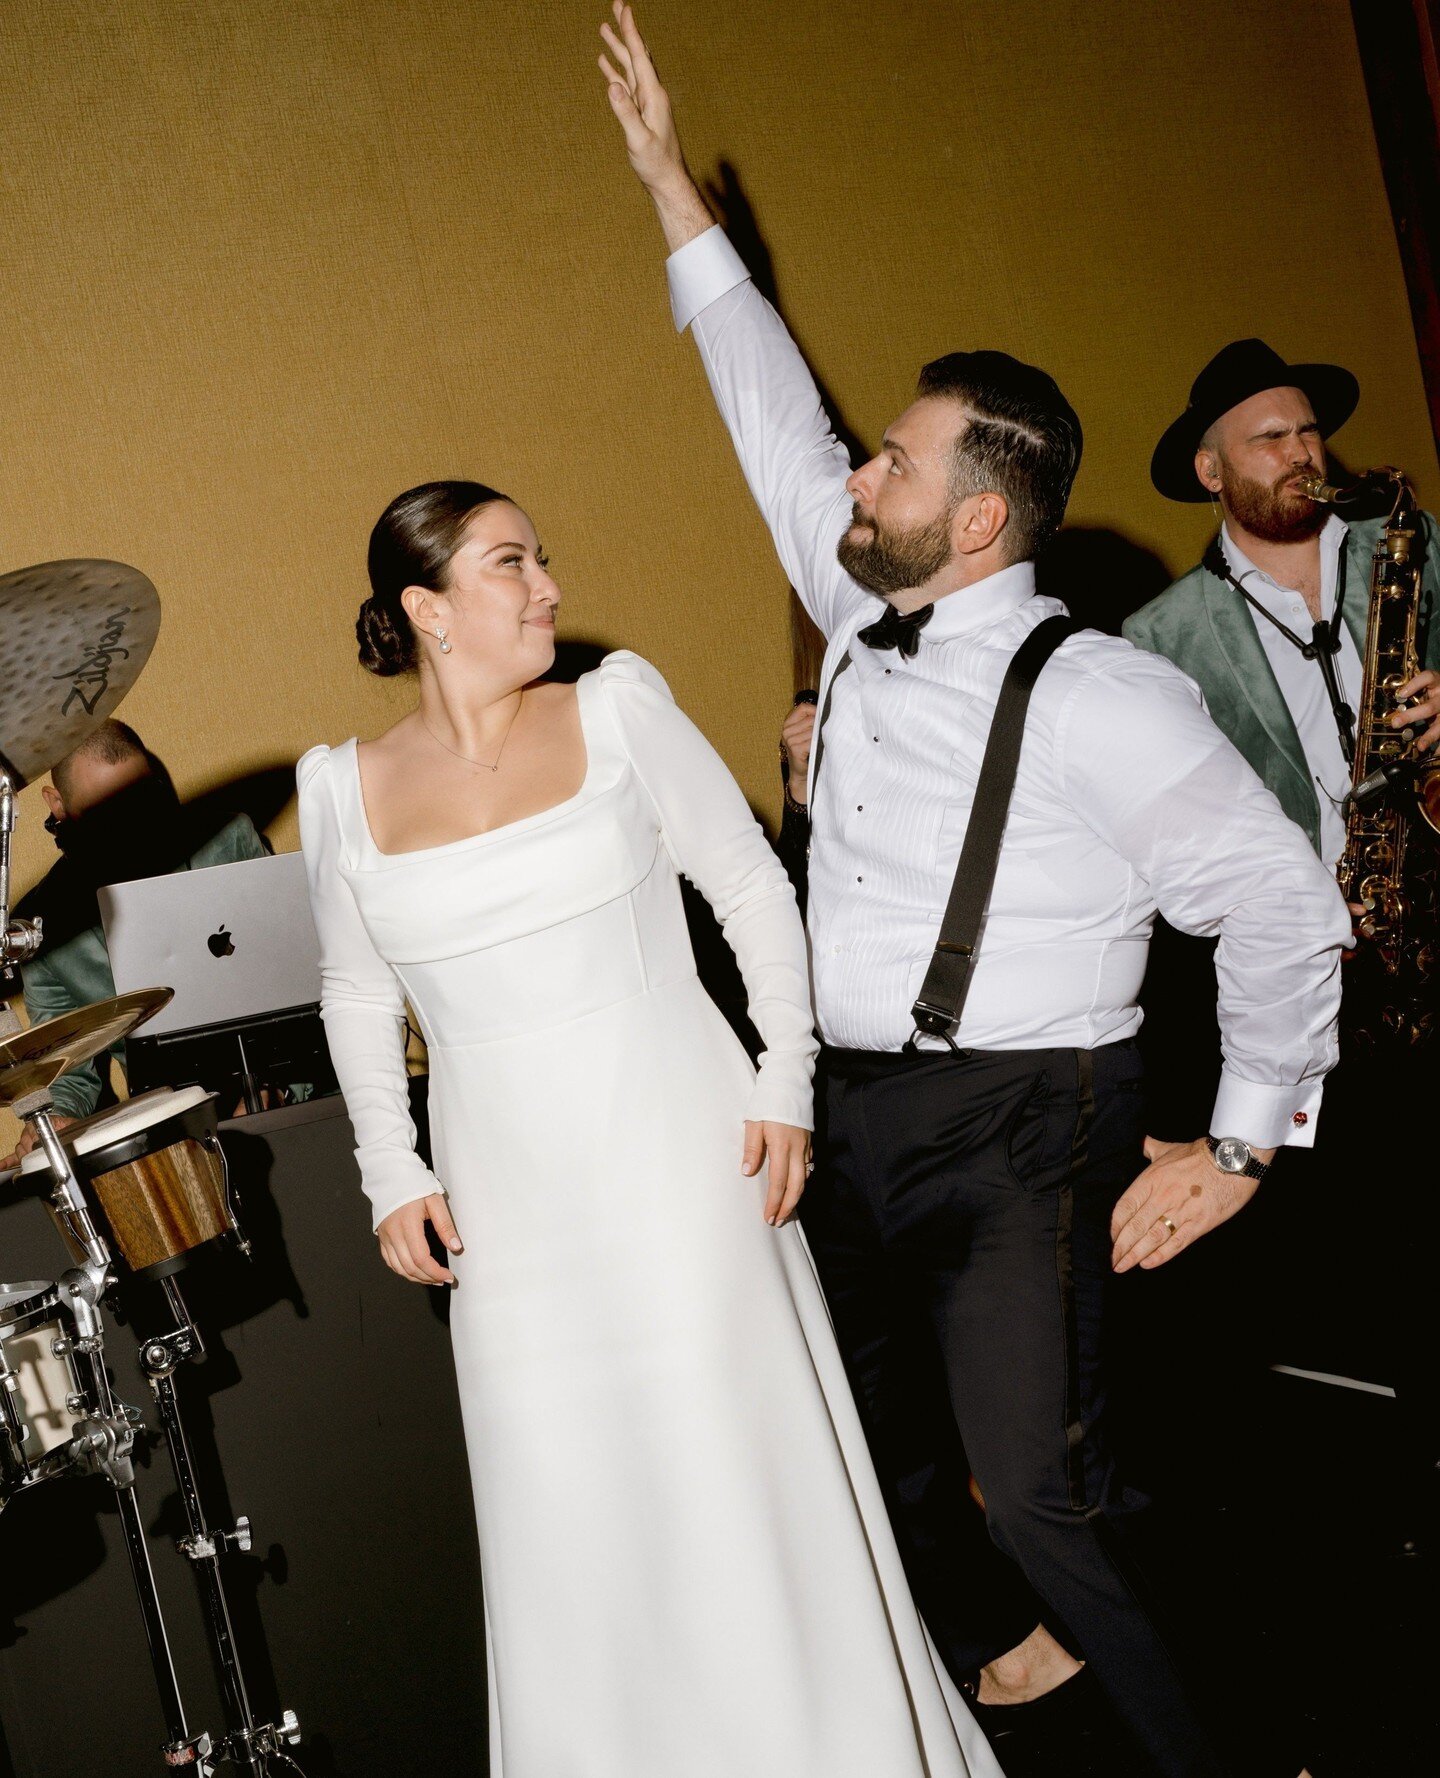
column 1391, row 863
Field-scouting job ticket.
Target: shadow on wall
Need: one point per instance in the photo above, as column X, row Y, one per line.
column 1101, row 575
column 728, row 199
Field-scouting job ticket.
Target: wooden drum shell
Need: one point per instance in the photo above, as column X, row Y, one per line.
column 162, row 1191
column 163, row 1204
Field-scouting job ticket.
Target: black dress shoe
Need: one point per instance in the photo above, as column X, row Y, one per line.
column 1068, row 1732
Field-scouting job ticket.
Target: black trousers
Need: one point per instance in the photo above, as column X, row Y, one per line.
column 959, row 1217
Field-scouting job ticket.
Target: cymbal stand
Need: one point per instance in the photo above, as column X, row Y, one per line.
column 19, row 939
column 105, row 1434
column 251, row 1747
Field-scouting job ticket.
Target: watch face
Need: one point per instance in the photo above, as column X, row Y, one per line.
column 1232, row 1155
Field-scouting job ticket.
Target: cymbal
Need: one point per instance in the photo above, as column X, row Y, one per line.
column 76, row 635
column 33, row 1059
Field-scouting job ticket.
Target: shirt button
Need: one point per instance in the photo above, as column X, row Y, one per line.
column 859, row 879
column 875, row 738
column 859, row 808
column 887, row 672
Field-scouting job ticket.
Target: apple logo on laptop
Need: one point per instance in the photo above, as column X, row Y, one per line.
column 219, row 943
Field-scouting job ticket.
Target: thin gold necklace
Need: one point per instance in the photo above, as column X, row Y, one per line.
column 483, row 765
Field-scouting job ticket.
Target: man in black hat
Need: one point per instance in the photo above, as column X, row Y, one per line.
column 1272, row 626
column 1242, row 624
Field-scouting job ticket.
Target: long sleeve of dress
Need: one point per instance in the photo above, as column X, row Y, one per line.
column 715, row 841
column 362, row 1006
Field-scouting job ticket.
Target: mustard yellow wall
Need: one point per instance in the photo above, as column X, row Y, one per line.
column 266, row 262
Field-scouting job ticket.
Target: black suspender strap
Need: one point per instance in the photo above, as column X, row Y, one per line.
column 947, row 981
column 818, row 747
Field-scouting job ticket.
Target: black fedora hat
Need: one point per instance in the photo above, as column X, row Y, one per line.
column 1236, row 372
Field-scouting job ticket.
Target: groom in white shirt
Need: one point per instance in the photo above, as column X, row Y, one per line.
column 974, row 1189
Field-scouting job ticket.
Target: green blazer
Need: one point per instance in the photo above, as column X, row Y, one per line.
column 1204, row 626
column 76, row 972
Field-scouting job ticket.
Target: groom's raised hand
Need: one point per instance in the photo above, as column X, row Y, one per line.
column 642, row 107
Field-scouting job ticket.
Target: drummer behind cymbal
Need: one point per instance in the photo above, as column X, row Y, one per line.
column 114, row 815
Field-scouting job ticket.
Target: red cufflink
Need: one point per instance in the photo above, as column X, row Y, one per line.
column 1300, row 1119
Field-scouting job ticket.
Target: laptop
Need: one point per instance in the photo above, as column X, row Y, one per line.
column 235, row 941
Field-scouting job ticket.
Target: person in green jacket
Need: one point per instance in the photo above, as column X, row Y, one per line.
column 114, row 815
column 1243, row 622
column 1282, row 592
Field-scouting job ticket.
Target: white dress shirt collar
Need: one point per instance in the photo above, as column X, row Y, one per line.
column 1332, row 540
column 984, row 603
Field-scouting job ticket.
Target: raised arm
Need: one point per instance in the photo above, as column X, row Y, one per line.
column 364, row 1014
column 796, row 468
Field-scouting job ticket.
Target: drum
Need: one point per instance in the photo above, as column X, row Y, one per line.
column 155, row 1170
column 40, row 1390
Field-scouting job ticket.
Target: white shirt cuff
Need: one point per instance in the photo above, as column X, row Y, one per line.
column 700, row 273
column 1267, row 1116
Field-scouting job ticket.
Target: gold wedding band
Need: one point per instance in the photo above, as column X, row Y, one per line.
column 1169, row 1225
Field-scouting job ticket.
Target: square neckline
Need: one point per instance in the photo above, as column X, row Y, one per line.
column 486, row 833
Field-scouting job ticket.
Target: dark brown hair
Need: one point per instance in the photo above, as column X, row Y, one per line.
column 412, row 544
column 1023, row 440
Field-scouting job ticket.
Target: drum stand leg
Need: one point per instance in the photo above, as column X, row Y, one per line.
column 251, row 1747
column 105, row 1435
column 181, row 1748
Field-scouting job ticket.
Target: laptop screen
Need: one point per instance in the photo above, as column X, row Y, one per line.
column 234, row 941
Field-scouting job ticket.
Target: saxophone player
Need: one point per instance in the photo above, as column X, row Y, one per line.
column 1243, row 622
column 1272, row 625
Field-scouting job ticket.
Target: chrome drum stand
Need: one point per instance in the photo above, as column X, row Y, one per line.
column 103, row 1442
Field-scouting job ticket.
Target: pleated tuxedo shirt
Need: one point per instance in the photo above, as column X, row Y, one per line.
column 1128, row 798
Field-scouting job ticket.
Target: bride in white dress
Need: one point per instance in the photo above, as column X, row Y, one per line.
column 689, row 1572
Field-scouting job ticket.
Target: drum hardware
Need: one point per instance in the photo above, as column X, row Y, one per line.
column 248, row 1745
column 162, row 1189
column 157, row 1173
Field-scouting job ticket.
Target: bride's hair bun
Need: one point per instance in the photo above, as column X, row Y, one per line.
column 385, row 647
column 412, row 545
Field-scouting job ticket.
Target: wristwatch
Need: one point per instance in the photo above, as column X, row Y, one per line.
column 1233, row 1155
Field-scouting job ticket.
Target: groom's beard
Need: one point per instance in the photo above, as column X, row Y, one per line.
column 888, row 562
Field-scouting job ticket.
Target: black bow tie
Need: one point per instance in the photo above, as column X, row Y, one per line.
column 895, row 631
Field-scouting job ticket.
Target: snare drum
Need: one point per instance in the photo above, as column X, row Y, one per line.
column 154, row 1169
column 40, row 1390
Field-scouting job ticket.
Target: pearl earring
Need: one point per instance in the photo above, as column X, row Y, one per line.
column 444, row 645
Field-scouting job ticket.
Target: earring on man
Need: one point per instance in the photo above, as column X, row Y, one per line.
column 440, row 637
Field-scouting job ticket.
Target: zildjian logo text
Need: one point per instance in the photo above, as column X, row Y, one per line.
column 89, row 679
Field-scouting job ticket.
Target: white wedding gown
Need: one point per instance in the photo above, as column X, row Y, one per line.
column 688, row 1568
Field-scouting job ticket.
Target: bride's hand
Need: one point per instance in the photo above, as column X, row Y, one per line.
column 789, row 1152
column 403, row 1246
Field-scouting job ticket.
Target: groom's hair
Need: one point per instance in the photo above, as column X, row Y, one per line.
column 1022, row 439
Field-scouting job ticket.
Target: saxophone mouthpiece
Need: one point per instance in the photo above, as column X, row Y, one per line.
column 1315, row 487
